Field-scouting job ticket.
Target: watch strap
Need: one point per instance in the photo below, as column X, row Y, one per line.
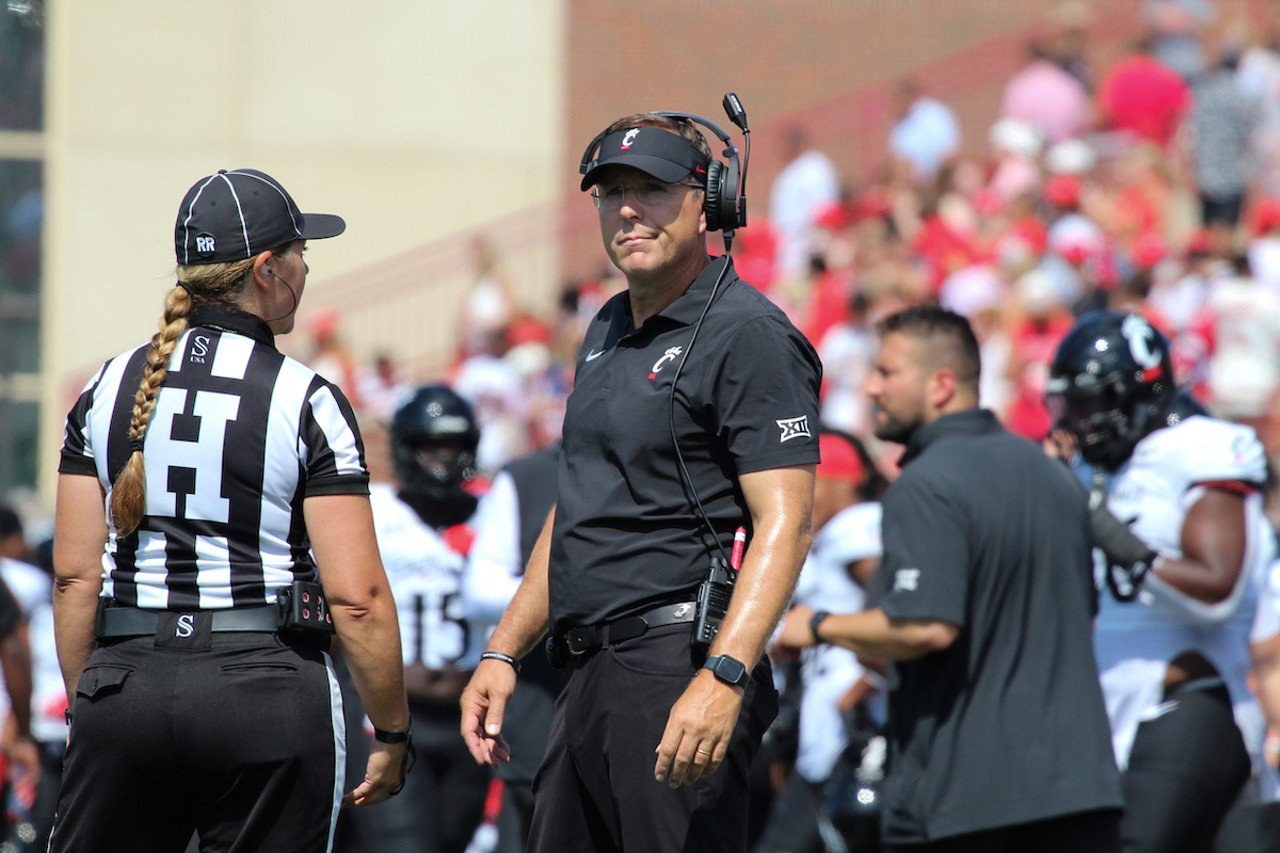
column 814, row 621
column 715, row 664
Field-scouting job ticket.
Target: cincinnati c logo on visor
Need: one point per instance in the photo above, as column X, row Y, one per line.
column 629, row 138
column 793, row 428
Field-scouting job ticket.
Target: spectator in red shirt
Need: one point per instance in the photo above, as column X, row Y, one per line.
column 1045, row 320
column 1143, row 97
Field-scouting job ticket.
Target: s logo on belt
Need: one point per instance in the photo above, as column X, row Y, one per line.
column 186, row 632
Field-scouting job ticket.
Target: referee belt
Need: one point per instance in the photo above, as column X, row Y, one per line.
column 135, row 622
column 590, row 637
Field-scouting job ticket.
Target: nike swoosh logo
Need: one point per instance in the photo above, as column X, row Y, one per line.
column 594, row 355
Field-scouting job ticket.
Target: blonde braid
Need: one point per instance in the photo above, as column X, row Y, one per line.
column 129, row 492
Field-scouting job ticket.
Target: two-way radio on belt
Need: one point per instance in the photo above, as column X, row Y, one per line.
column 729, row 189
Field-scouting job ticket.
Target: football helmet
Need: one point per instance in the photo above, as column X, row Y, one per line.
column 434, row 436
column 1110, row 384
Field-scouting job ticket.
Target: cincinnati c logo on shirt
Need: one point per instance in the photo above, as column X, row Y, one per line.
column 669, row 355
column 629, row 138
column 793, row 428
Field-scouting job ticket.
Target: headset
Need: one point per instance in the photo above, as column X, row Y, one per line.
column 725, row 206
column 725, row 200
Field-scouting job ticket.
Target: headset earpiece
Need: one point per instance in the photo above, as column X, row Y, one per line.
column 713, row 198
column 733, row 207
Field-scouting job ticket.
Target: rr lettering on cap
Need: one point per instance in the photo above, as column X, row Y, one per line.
column 204, row 244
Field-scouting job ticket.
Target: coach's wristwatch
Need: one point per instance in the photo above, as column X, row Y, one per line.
column 729, row 670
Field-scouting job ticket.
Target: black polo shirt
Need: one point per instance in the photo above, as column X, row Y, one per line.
column 627, row 535
column 1007, row 725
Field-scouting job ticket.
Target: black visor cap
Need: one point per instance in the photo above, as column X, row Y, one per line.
column 664, row 155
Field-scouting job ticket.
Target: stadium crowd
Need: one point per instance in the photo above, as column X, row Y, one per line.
column 1151, row 186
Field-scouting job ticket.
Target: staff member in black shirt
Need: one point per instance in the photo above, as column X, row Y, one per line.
column 222, row 466
column 616, row 569
column 998, row 736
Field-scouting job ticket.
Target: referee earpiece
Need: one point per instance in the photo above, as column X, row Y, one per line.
column 267, row 271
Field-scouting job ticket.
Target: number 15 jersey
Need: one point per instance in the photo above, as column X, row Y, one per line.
column 426, row 579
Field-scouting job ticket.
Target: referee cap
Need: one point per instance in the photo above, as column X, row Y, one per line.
column 666, row 156
column 235, row 214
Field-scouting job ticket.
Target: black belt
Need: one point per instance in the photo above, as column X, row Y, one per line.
column 134, row 622
column 588, row 637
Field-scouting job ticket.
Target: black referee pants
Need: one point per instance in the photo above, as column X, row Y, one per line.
column 241, row 742
column 595, row 790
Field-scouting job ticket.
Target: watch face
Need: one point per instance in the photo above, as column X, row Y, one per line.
column 730, row 670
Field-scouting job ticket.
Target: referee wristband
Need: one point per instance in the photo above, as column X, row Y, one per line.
column 384, row 736
column 814, row 621
column 515, row 664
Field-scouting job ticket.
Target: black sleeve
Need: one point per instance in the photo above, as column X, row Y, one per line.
column 77, row 451
column 924, row 573
column 334, row 460
column 765, row 396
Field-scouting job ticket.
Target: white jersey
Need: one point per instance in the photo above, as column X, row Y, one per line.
column 1266, row 622
column 33, row 590
column 829, row 671
column 1134, row 642
column 426, row 580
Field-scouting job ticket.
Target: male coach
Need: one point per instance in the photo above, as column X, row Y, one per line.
column 998, row 735
column 694, row 411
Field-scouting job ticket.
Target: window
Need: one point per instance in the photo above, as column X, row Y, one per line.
column 21, row 223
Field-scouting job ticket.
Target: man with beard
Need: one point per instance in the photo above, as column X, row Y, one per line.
column 998, row 736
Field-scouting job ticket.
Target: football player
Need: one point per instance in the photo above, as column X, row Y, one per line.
column 1177, row 519
column 844, row 555
column 423, row 536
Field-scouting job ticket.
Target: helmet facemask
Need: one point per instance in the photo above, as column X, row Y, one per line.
column 1099, row 420
column 435, row 468
column 434, row 437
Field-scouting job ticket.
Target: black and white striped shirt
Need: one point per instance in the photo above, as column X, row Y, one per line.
column 240, row 435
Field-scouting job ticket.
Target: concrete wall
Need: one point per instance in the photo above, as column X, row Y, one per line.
column 413, row 120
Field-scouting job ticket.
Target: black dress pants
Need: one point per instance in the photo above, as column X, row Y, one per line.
column 1081, row 832
column 595, row 790
column 1186, row 768
column 241, row 742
